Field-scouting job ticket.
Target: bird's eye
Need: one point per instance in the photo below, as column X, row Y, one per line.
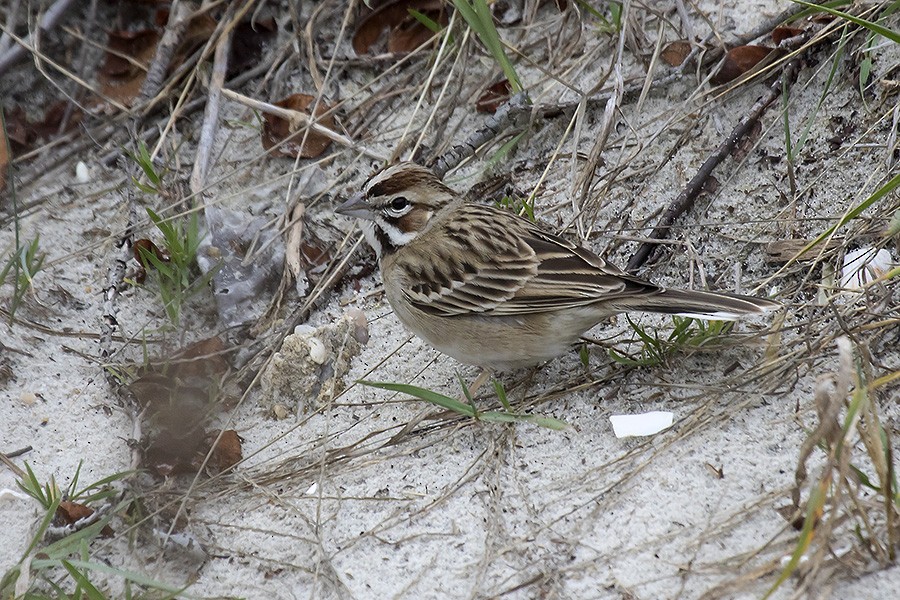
column 399, row 203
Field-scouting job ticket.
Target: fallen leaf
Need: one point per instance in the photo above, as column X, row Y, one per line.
column 785, row 250
column 276, row 129
column 405, row 32
column 227, row 452
column 69, row 513
column 779, row 34
column 675, row 52
column 128, row 57
column 494, row 96
column 206, row 358
column 739, row 61
column 25, row 133
column 143, row 248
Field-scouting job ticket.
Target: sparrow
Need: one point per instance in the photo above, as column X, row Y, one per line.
column 492, row 289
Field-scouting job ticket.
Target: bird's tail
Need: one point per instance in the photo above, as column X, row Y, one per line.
column 703, row 305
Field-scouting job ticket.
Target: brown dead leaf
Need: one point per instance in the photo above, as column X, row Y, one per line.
column 405, row 32
column 675, row 52
column 143, row 248
column 130, row 52
column 779, row 34
column 206, row 358
column 227, row 452
column 781, row 251
column 493, row 97
column 739, row 61
column 24, row 133
column 69, row 513
column 199, row 30
column 276, row 129
column 128, row 56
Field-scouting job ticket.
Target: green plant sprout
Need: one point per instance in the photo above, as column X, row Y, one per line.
column 655, row 350
column 24, row 264
column 47, row 568
column 175, row 275
column 478, row 16
column 611, row 25
column 470, row 410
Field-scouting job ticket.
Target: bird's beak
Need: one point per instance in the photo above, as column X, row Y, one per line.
column 357, row 207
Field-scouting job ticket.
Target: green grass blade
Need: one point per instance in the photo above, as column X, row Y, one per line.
column 873, row 27
column 83, row 583
column 426, row 395
column 464, row 409
column 478, row 16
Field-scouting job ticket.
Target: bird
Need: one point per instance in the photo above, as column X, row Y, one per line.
column 493, row 289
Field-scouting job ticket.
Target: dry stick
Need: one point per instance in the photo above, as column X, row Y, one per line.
column 685, row 200
column 298, row 119
column 12, row 18
column 211, row 115
column 50, row 19
column 514, row 112
column 165, row 51
column 4, row 458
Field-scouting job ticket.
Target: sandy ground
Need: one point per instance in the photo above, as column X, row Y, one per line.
column 328, row 503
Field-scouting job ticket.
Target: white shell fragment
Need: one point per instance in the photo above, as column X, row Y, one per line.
column 864, row 265
column 82, row 173
column 642, row 424
column 317, row 352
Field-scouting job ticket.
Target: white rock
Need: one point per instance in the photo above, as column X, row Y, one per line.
column 642, row 424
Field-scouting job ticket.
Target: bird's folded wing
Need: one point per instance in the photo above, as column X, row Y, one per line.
column 522, row 271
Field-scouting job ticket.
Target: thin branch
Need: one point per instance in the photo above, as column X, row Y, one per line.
column 685, row 200
column 298, row 119
column 18, row 52
column 211, row 116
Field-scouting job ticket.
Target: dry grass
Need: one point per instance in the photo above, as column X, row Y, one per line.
column 613, row 136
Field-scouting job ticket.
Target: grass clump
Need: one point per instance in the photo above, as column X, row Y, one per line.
column 655, row 350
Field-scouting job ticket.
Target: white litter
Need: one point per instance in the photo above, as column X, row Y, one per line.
column 642, row 424
column 864, row 265
column 82, row 173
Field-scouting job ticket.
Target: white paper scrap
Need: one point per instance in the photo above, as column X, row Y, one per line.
column 642, row 424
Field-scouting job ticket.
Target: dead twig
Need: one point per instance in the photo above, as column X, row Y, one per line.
column 17, row 52
column 685, row 200
column 298, row 119
column 511, row 114
column 179, row 17
column 211, row 115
